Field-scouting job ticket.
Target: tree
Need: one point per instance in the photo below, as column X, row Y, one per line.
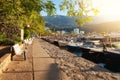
column 20, row 13
column 80, row 9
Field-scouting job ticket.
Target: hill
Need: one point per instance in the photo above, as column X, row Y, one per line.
column 112, row 26
column 60, row 22
column 68, row 23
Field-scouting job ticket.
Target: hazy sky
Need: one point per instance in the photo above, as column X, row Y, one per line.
column 109, row 9
column 58, row 12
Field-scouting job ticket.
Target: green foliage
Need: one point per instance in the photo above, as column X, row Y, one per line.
column 2, row 37
column 49, row 7
column 21, row 13
column 80, row 9
column 4, row 40
column 17, row 39
column 26, row 34
column 7, row 42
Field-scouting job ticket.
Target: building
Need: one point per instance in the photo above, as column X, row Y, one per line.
column 76, row 31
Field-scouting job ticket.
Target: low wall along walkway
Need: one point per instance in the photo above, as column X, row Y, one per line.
column 4, row 61
column 5, row 57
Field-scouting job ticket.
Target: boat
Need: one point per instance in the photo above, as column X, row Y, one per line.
column 88, row 45
column 51, row 41
column 55, row 42
column 74, row 46
column 93, row 50
column 113, row 59
column 62, row 43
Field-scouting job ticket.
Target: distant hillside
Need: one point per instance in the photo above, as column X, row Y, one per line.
column 68, row 23
column 60, row 22
column 107, row 26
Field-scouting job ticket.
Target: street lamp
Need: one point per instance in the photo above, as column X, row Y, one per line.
column 28, row 25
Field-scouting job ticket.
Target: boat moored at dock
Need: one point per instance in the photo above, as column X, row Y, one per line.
column 74, row 46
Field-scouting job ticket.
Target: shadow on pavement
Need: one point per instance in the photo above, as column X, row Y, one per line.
column 53, row 73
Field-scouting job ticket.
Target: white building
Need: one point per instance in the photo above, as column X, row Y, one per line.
column 82, row 32
column 47, row 28
column 76, row 31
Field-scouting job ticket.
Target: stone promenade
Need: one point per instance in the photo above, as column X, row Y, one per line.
column 49, row 62
column 38, row 66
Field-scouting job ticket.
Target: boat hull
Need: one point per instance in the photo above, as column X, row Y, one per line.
column 73, row 48
column 95, row 56
column 112, row 61
column 112, row 57
column 56, row 43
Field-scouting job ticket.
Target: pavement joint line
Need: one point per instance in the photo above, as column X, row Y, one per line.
column 16, row 71
column 33, row 69
column 33, row 65
column 53, row 57
column 26, row 71
column 41, row 57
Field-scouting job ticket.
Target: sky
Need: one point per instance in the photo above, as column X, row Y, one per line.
column 58, row 12
column 108, row 9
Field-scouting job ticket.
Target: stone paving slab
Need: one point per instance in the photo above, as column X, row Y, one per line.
column 38, row 51
column 19, row 66
column 17, row 76
column 50, row 73
column 41, row 75
column 42, row 63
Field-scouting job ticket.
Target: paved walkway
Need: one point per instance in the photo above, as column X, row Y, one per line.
column 38, row 66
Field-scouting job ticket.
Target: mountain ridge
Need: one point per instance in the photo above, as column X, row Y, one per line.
column 61, row 22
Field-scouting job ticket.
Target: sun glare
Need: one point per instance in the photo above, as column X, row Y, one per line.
column 107, row 7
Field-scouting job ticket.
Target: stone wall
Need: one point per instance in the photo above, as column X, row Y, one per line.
column 4, row 61
column 5, row 57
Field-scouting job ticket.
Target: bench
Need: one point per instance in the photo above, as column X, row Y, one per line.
column 17, row 50
column 28, row 41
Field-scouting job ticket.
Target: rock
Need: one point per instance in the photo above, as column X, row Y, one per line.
column 63, row 76
column 115, row 77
